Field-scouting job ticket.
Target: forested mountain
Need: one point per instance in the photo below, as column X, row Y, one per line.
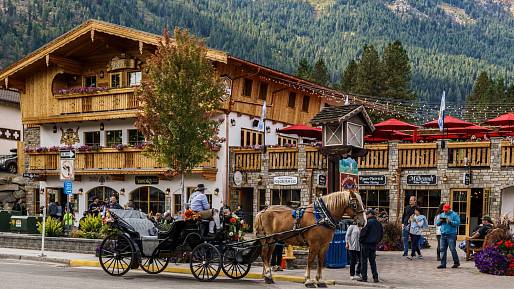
column 448, row 42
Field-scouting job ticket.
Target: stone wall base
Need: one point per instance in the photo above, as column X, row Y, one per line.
column 60, row 244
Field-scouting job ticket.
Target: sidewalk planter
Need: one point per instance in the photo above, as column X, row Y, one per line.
column 336, row 256
column 24, row 224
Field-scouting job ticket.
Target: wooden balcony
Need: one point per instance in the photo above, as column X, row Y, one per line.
column 106, row 101
column 314, row 159
column 477, row 154
column 279, row 158
column 376, row 158
column 247, row 159
column 110, row 161
column 283, row 158
column 507, row 154
column 423, row 155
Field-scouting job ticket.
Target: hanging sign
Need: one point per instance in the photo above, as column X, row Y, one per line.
column 372, row 180
column 67, row 170
column 322, row 180
column 147, row 180
column 68, row 187
column 421, row 180
column 285, row 181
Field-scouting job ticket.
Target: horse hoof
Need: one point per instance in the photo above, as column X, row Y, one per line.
column 269, row 280
column 322, row 285
column 310, row 285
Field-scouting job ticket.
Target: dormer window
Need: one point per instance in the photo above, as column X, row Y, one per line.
column 134, row 78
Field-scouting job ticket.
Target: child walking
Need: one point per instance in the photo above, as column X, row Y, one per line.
column 353, row 248
column 418, row 223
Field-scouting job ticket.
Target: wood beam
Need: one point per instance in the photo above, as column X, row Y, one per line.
column 67, row 64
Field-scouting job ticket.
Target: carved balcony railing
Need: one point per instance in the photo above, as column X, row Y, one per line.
column 106, row 101
column 423, row 155
column 474, row 154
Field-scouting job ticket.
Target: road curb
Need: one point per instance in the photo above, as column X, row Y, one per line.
column 35, row 258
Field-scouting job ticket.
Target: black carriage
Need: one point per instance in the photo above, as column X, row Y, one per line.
column 136, row 242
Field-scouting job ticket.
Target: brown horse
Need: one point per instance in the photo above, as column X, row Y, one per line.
column 277, row 219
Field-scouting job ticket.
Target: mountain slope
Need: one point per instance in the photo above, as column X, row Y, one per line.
column 448, row 42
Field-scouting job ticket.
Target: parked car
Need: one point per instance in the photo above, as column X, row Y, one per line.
column 9, row 162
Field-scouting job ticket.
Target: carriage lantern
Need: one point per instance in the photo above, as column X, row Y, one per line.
column 343, row 130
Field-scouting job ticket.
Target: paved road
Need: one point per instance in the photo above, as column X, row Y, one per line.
column 16, row 274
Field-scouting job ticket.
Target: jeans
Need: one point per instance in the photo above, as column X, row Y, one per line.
column 276, row 257
column 405, row 237
column 449, row 241
column 368, row 252
column 415, row 245
column 355, row 264
column 438, row 247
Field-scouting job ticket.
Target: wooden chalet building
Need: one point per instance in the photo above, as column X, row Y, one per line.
column 78, row 91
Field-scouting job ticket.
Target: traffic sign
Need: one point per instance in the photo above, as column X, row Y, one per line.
column 68, row 187
column 69, row 155
column 31, row 175
column 67, row 170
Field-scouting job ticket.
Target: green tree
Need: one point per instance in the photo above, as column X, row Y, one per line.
column 320, row 73
column 348, row 77
column 179, row 95
column 396, row 72
column 369, row 74
column 481, row 89
column 304, row 69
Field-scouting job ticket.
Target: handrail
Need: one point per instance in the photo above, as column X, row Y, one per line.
column 422, row 155
column 478, row 154
column 376, row 158
column 507, row 154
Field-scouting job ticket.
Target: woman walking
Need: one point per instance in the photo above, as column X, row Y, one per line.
column 438, row 230
column 418, row 222
column 353, row 247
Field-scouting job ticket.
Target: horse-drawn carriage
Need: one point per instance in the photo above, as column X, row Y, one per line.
column 136, row 242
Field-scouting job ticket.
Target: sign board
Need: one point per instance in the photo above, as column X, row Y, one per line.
column 68, row 187
column 227, row 87
column 18, row 223
column 285, row 181
column 238, row 178
column 467, row 179
column 69, row 155
column 147, row 180
column 348, row 166
column 67, row 170
column 322, row 180
column 31, row 175
column 372, row 180
column 421, row 180
column 348, row 181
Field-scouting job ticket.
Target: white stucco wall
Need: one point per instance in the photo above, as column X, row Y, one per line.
column 508, row 202
column 10, row 117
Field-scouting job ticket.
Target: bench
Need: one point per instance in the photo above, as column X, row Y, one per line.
column 469, row 250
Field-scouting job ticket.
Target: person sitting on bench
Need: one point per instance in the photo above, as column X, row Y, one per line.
column 199, row 204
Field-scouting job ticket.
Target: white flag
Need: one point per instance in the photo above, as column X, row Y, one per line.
column 440, row 121
column 261, row 126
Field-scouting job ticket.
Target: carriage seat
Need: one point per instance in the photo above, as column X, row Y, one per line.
column 143, row 227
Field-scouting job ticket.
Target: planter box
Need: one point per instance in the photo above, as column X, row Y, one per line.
column 61, row 244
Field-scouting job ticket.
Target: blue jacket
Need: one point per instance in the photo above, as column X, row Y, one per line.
column 451, row 225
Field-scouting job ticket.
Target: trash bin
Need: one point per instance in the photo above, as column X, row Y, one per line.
column 336, row 254
column 24, row 224
column 5, row 221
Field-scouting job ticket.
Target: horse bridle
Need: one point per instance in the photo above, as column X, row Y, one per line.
column 353, row 203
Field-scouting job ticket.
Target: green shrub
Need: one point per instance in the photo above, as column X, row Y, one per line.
column 75, row 233
column 91, row 226
column 53, row 227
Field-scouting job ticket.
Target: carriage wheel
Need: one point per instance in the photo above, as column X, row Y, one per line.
column 205, row 262
column 116, row 254
column 154, row 264
column 233, row 264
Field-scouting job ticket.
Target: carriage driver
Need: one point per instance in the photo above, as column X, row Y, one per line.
column 199, row 204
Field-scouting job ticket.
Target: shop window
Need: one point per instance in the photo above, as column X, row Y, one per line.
column 148, row 200
column 292, row 100
column 263, row 91
column 285, row 197
column 190, row 190
column 262, row 200
column 376, row 199
column 177, row 203
column 113, row 137
column 247, row 89
column 283, row 140
column 90, row 81
column 135, row 137
column 134, row 78
column 305, row 103
column 116, row 80
column 428, row 201
column 92, row 138
column 251, row 137
column 102, row 193
column 37, row 202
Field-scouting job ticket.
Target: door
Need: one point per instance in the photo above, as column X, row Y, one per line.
column 246, row 203
column 460, row 200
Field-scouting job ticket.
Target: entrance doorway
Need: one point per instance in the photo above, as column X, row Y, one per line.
column 246, row 203
column 471, row 205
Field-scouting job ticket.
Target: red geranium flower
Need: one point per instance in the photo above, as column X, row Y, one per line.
column 233, row 220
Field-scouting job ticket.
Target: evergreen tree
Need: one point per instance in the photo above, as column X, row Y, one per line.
column 369, row 74
column 304, row 69
column 320, row 73
column 348, row 76
column 396, row 72
column 481, row 89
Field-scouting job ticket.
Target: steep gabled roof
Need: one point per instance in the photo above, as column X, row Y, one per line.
column 337, row 114
column 92, row 26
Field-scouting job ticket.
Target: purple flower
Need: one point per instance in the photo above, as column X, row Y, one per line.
column 491, row 261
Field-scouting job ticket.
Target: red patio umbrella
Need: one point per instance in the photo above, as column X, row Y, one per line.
column 469, row 129
column 507, row 128
column 391, row 135
column 394, row 124
column 449, row 122
column 504, row 119
column 372, row 139
column 302, row 130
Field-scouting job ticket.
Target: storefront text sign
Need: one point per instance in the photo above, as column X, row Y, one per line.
column 421, row 179
column 285, row 180
column 147, row 180
column 374, row 180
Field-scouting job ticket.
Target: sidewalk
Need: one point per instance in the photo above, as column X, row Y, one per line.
column 394, row 270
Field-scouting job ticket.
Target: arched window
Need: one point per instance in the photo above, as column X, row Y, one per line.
column 148, row 199
column 101, row 192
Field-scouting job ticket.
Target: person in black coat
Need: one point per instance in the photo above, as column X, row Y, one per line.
column 370, row 236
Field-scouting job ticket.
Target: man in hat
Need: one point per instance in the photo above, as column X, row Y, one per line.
column 199, row 204
column 449, row 222
column 369, row 237
column 483, row 229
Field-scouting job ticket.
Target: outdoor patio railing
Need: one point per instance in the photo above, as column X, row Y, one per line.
column 247, row 160
column 507, row 154
column 314, row 159
column 473, row 154
column 376, row 158
column 118, row 99
column 283, row 158
column 423, row 155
